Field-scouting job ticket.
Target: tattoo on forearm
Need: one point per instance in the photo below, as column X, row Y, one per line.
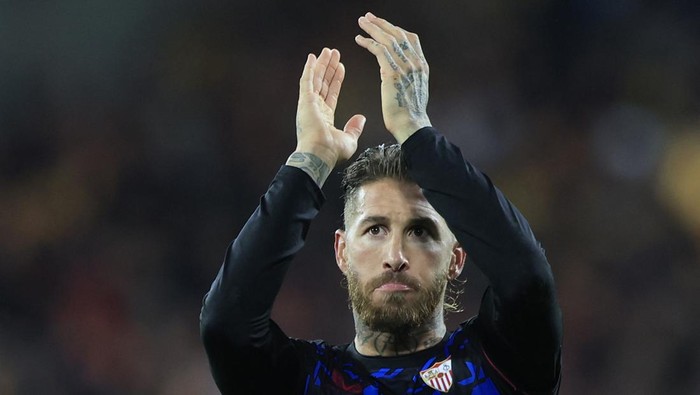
column 311, row 164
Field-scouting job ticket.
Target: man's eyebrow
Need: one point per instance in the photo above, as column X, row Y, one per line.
column 373, row 219
column 429, row 223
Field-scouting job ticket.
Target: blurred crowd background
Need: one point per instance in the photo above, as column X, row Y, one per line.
column 136, row 137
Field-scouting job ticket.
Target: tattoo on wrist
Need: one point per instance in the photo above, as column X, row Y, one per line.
column 312, row 165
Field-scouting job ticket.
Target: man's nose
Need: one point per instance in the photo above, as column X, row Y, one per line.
column 395, row 257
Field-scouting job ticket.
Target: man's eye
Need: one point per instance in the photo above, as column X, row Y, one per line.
column 419, row 232
column 374, row 230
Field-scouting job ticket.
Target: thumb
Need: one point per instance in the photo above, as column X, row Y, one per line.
column 355, row 125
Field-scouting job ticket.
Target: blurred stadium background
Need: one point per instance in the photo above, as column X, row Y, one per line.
column 136, row 136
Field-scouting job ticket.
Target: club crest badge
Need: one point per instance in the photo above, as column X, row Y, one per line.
column 439, row 376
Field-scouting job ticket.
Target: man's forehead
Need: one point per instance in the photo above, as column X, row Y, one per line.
column 387, row 209
column 383, row 185
column 391, row 198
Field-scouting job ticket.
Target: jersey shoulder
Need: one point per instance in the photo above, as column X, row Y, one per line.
column 327, row 369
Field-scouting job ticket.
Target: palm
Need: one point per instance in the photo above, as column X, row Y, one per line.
column 318, row 96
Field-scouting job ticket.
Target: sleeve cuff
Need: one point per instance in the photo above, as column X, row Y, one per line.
column 296, row 176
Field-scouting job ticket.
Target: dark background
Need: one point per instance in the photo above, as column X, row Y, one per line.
column 136, row 136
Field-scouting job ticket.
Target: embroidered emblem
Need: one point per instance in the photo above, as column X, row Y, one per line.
column 439, row 376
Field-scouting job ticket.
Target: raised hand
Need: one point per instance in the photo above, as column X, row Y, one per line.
column 404, row 74
column 320, row 145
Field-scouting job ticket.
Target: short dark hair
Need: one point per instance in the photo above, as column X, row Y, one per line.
column 375, row 163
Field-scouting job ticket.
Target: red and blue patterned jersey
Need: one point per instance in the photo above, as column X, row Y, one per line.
column 456, row 365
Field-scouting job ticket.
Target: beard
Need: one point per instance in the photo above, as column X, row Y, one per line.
column 396, row 312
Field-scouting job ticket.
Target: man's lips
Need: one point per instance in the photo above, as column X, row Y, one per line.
column 391, row 287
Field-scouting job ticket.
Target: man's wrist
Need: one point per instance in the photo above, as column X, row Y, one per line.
column 311, row 164
column 402, row 133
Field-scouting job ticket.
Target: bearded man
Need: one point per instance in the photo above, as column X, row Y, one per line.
column 411, row 211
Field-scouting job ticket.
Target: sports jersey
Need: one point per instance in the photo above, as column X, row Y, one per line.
column 513, row 345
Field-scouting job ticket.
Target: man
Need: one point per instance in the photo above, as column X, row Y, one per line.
column 411, row 212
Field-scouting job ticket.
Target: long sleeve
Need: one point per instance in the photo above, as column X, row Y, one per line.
column 519, row 319
column 244, row 346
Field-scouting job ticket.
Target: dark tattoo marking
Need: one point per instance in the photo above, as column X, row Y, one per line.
column 412, row 92
column 311, row 165
column 400, row 94
column 404, row 45
column 399, row 52
column 388, row 344
column 389, row 59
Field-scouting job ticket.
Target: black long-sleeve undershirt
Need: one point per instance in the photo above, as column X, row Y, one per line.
column 240, row 338
column 519, row 319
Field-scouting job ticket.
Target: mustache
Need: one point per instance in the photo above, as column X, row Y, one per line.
column 392, row 277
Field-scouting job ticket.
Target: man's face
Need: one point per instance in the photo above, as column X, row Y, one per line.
column 397, row 254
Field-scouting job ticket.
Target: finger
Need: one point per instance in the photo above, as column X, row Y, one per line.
column 320, row 69
column 395, row 31
column 355, row 125
column 305, row 82
column 336, row 84
column 384, row 57
column 330, row 71
column 415, row 44
column 408, row 41
column 376, row 32
column 385, row 38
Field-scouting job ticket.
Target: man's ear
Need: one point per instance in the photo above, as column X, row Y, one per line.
column 459, row 256
column 339, row 245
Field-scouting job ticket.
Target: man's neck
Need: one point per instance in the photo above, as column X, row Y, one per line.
column 374, row 343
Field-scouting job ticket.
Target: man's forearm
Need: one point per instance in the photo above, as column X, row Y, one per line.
column 487, row 225
column 254, row 266
column 238, row 335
